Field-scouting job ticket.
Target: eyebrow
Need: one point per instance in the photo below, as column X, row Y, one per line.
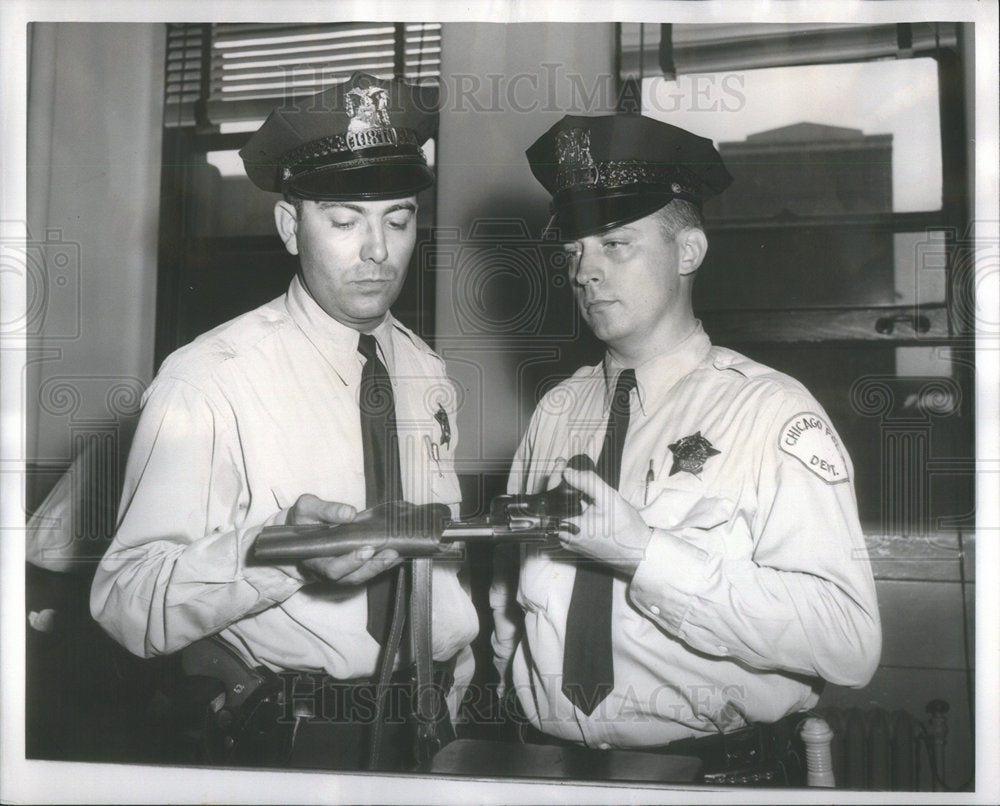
column 622, row 228
column 407, row 206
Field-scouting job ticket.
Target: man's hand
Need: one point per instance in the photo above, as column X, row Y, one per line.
column 355, row 568
column 610, row 529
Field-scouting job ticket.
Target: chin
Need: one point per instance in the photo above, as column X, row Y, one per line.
column 605, row 331
column 371, row 309
column 370, row 313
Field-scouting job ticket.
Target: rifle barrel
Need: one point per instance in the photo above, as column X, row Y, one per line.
column 478, row 532
column 457, row 530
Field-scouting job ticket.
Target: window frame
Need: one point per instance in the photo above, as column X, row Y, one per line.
column 933, row 324
column 840, row 332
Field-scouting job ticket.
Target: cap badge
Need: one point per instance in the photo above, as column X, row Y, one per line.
column 369, row 126
column 573, row 148
column 367, row 107
column 576, row 163
column 690, row 454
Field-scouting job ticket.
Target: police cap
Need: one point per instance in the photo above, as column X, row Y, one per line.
column 357, row 140
column 606, row 171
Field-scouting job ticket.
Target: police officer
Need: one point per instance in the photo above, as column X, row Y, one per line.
column 719, row 574
column 308, row 409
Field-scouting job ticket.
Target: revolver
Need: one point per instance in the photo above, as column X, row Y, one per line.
column 426, row 530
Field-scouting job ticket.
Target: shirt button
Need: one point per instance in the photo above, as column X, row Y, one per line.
column 654, row 610
column 604, row 746
column 723, row 650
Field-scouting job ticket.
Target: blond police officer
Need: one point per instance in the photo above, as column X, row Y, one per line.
column 720, row 574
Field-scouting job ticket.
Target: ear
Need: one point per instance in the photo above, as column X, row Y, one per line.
column 287, row 222
column 692, row 246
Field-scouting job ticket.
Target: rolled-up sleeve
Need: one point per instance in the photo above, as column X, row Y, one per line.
column 802, row 600
column 177, row 568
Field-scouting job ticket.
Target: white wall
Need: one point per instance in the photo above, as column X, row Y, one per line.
column 94, row 123
column 504, row 85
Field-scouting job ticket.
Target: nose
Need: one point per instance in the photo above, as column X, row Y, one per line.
column 374, row 248
column 587, row 267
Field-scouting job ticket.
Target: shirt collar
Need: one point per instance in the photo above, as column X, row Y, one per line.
column 656, row 376
column 335, row 341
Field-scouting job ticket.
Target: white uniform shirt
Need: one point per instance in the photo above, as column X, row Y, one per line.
column 755, row 583
column 235, row 427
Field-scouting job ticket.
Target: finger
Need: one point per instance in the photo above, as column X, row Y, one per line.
column 582, row 528
column 568, row 535
column 334, row 512
column 312, row 509
column 589, row 483
column 302, row 510
column 378, row 564
column 336, row 568
column 576, row 542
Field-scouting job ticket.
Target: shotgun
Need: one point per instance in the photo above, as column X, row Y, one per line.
column 427, row 530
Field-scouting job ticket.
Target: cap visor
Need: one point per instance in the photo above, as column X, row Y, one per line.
column 367, row 182
column 580, row 215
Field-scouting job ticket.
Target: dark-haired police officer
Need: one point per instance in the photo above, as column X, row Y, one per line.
column 262, row 421
column 720, row 573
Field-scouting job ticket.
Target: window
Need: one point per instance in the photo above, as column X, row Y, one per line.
column 834, row 254
column 238, row 72
column 219, row 253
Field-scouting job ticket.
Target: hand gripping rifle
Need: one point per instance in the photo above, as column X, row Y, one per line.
column 427, row 530
column 420, row 532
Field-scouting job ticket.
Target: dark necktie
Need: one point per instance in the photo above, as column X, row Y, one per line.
column 382, row 482
column 588, row 667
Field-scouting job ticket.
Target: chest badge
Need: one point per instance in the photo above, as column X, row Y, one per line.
column 690, row 454
column 442, row 419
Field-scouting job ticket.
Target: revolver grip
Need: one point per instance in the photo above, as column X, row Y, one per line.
column 546, row 509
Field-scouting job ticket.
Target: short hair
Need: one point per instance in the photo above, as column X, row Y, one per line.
column 677, row 215
column 296, row 202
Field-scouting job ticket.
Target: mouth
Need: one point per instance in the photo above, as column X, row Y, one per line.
column 598, row 305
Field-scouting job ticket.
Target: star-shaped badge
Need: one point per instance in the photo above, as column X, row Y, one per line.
column 690, row 454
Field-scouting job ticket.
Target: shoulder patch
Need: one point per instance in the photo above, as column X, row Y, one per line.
column 811, row 440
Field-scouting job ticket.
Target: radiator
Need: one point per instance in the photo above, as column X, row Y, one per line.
column 887, row 750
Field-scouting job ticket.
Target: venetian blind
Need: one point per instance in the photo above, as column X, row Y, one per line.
column 223, row 72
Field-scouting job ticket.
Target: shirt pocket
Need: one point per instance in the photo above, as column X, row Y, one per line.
column 444, row 481
column 428, row 468
column 425, row 421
